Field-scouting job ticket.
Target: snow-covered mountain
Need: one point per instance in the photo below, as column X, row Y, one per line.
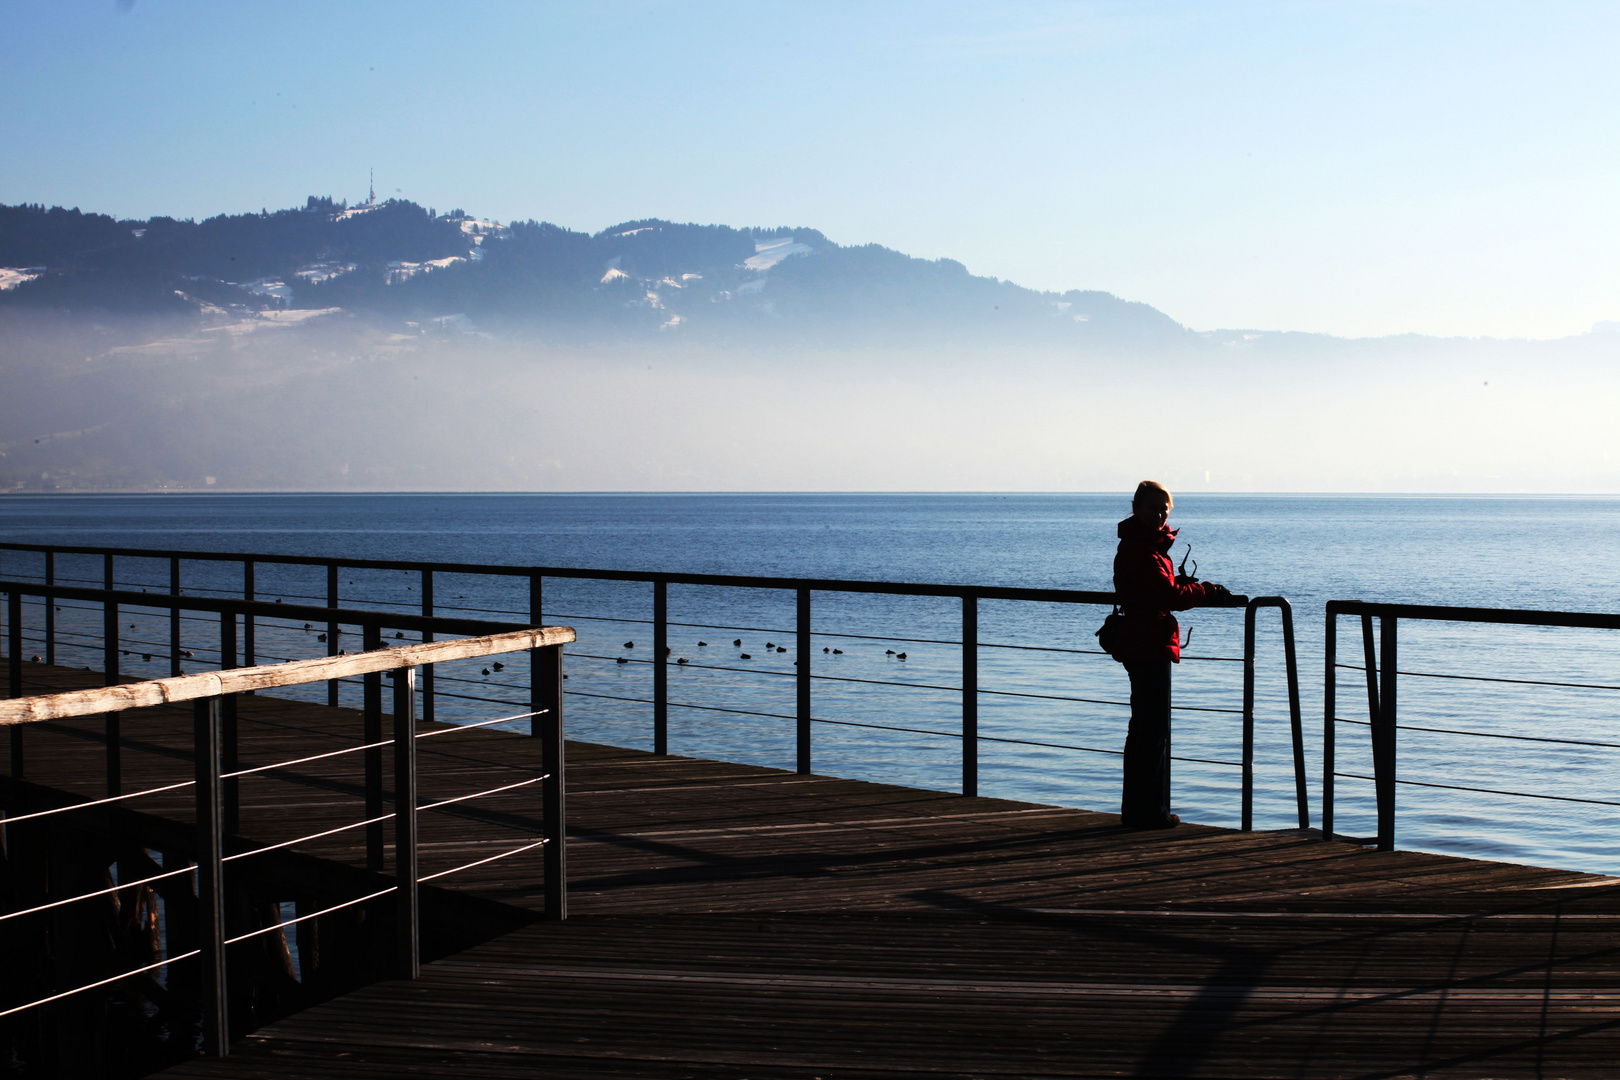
column 649, row 278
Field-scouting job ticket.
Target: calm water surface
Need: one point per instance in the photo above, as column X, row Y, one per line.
column 1554, row 553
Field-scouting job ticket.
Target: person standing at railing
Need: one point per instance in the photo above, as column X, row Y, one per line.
column 1148, row 642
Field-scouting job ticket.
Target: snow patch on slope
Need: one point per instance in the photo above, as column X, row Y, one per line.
column 399, row 270
column 767, row 253
column 315, row 273
column 13, row 276
column 277, row 290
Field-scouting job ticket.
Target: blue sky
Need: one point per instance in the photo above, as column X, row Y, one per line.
column 1356, row 168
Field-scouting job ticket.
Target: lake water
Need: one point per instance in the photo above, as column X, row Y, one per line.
column 1524, row 552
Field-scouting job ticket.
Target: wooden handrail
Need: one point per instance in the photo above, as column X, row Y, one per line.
column 106, row 699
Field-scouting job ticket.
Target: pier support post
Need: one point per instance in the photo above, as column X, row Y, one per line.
column 1296, row 721
column 1386, row 734
column 249, row 593
column 14, row 648
column 210, row 877
column 109, row 642
column 174, row 617
column 228, row 755
column 332, row 630
column 50, row 609
column 660, row 667
column 427, row 635
column 1330, row 654
column 547, row 694
column 536, row 618
column 371, row 637
column 970, row 695
column 409, row 960
column 1248, row 719
column 802, row 679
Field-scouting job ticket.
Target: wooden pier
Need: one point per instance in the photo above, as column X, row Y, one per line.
column 735, row 921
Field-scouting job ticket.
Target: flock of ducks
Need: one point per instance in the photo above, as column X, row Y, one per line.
column 737, row 643
column 770, row 647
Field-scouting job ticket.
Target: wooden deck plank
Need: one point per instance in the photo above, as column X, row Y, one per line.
column 735, row 921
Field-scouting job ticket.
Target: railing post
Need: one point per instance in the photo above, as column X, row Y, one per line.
column 109, row 627
column 332, row 630
column 1387, row 732
column 14, row 648
column 1248, row 717
column 210, row 877
column 110, row 721
column 1369, row 662
column 408, row 930
column 427, row 635
column 228, row 758
column 802, row 680
column 1370, row 669
column 50, row 609
column 1330, row 656
column 1296, row 720
column 174, row 617
column 536, row 615
column 248, row 593
column 546, row 692
column 371, row 637
column 660, row 667
column 970, row 695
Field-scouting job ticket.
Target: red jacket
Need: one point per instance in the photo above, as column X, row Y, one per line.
column 1145, row 585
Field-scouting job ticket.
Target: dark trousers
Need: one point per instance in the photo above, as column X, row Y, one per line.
column 1145, row 798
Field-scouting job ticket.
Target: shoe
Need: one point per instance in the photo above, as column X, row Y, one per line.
column 1169, row 821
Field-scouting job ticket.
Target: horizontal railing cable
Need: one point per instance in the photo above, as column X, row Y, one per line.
column 1492, row 679
column 96, row 802
column 481, row 794
column 303, row 760
column 159, row 646
column 481, row 723
column 788, row 635
column 1486, row 734
column 103, row 982
column 766, row 715
column 1489, row 791
column 311, row 915
column 905, row 685
column 474, row 697
column 305, row 839
column 481, row 862
column 890, row 727
column 92, row 895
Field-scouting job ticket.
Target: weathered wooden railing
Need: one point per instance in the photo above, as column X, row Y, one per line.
column 216, row 773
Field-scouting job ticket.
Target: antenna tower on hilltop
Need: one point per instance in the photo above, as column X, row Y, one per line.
column 371, row 199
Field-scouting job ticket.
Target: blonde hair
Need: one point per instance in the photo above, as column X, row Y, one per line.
column 1151, row 487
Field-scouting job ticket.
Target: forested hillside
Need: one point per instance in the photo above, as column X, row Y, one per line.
column 397, row 261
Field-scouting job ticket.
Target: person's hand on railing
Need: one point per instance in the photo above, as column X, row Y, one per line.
column 1217, row 595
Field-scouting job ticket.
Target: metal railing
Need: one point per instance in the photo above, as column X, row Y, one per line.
column 217, row 771
column 427, row 574
column 1380, row 665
